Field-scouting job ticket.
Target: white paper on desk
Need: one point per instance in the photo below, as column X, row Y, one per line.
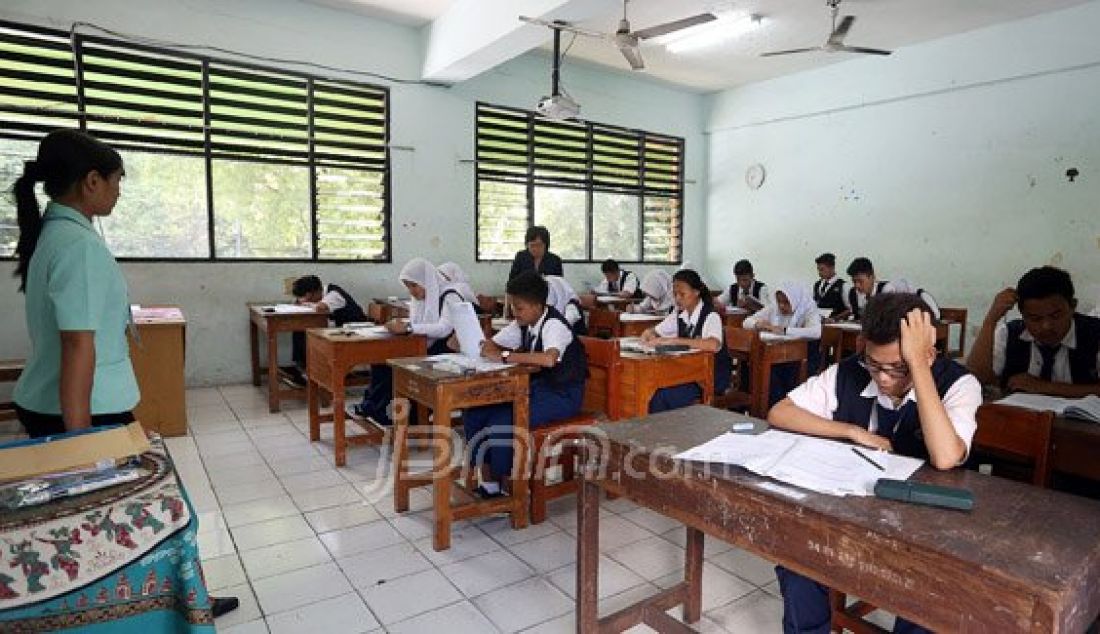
column 454, row 362
column 635, row 344
column 639, row 317
column 736, row 310
column 287, row 309
column 771, row 337
column 371, row 332
column 816, row 464
column 467, row 328
column 845, row 325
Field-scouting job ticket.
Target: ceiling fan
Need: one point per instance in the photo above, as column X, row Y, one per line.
column 835, row 42
column 625, row 39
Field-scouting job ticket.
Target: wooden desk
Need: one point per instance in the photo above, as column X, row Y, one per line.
column 644, row 374
column 382, row 310
column 635, row 326
column 1024, row 560
column 734, row 319
column 837, row 342
column 1076, row 448
column 332, row 353
column 273, row 324
column 158, row 357
column 444, row 393
column 615, row 303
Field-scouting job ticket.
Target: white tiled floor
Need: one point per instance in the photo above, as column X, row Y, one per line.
column 311, row 548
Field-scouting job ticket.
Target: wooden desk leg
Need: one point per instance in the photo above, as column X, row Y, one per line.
column 254, row 350
column 314, row 405
column 693, row 575
column 588, row 556
column 339, row 417
column 761, row 383
column 521, row 435
column 443, row 452
column 272, row 371
column 400, row 461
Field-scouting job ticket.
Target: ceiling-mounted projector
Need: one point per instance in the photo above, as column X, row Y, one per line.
column 558, row 107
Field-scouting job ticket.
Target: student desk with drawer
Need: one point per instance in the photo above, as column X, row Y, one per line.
column 643, row 374
column 1024, row 560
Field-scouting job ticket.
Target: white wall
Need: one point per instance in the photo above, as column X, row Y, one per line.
column 944, row 163
column 432, row 191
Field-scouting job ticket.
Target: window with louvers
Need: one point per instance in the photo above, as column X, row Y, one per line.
column 602, row 191
column 224, row 161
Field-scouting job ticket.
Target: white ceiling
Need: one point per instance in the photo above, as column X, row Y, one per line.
column 889, row 24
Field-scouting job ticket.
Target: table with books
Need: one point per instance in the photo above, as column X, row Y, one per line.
column 1024, row 559
column 1076, row 433
column 123, row 557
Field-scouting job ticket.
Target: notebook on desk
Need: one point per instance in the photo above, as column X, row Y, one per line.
column 1086, row 408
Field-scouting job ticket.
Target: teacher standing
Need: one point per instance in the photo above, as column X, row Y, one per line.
column 537, row 255
column 79, row 372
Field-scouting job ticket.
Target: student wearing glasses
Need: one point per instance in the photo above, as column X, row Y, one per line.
column 899, row 396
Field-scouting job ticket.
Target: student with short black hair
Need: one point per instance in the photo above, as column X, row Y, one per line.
column 618, row 281
column 1052, row 349
column 829, row 288
column 537, row 255
column 865, row 285
column 898, row 395
column 540, row 337
column 747, row 292
column 329, row 300
column 429, row 316
column 696, row 325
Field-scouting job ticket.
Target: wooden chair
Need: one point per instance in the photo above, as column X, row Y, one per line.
column 951, row 317
column 603, row 323
column 1003, row 431
column 1019, row 435
column 10, row 371
column 601, row 400
column 377, row 313
column 739, row 342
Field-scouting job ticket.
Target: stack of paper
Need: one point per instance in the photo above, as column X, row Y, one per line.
column 1086, row 408
column 820, row 465
column 639, row 317
column 846, row 325
column 771, row 337
column 459, row 363
column 371, row 332
column 289, row 309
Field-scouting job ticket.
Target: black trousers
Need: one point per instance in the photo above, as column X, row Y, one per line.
column 39, row 425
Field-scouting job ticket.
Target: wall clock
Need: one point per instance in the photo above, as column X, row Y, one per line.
column 754, row 176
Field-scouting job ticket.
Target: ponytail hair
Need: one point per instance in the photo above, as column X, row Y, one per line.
column 692, row 279
column 65, row 157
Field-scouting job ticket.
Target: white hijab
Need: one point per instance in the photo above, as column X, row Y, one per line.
column 802, row 304
column 459, row 280
column 657, row 285
column 561, row 293
column 424, row 274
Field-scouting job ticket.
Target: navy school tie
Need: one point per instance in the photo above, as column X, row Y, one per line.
column 1046, row 370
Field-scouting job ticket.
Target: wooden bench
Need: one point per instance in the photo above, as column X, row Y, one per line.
column 601, row 400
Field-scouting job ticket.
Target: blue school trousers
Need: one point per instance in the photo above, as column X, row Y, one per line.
column 675, row 397
column 784, row 377
column 489, row 428
column 806, row 606
column 376, row 401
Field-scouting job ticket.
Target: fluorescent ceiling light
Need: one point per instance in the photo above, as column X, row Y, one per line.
column 726, row 27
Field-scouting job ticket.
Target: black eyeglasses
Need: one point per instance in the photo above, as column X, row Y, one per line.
column 893, row 371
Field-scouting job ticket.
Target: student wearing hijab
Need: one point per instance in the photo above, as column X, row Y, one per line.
column 565, row 300
column 428, row 316
column 794, row 313
column 457, row 278
column 79, row 373
column 657, row 287
column 698, row 326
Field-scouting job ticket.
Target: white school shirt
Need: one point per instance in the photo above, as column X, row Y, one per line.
column 810, row 328
column 572, row 315
column 1061, row 372
column 441, row 328
column 818, row 396
column 725, row 298
column 629, row 286
column 554, row 335
column 712, row 327
column 335, row 301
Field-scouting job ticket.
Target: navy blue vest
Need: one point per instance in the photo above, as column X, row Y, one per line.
column 853, row 298
column 832, row 299
column 573, row 367
column 723, row 363
column 1082, row 359
column 906, row 436
column 754, row 290
column 351, row 310
column 615, row 287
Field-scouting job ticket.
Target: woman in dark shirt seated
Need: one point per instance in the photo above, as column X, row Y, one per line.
column 537, row 255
